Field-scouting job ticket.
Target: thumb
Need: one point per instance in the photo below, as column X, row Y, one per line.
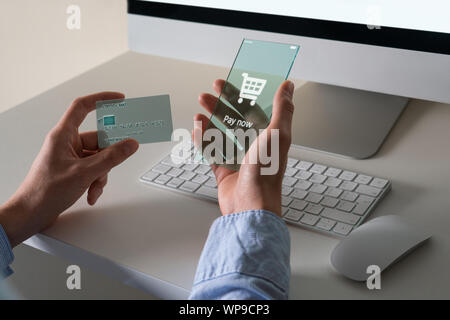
column 283, row 108
column 112, row 156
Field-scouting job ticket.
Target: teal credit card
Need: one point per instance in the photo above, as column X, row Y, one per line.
column 146, row 119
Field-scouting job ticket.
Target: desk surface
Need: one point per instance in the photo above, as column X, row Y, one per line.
column 152, row 238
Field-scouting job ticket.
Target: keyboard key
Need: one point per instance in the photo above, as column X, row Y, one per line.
column 211, row 183
column 365, row 199
column 347, row 175
column 289, row 181
column 284, row 210
column 304, row 165
column 206, row 191
column 314, row 208
column 290, row 171
column 299, row 194
column 169, row 162
column 293, row 215
column 200, row 178
column 333, row 192
column 348, row 185
column 303, row 184
column 149, row 176
column 318, row 178
column 332, row 172
column 368, row 190
column 309, row 219
column 285, row 191
column 349, row 196
column 304, row 175
column 333, row 182
column 314, row 198
column 363, row 179
column 190, row 166
column 329, row 202
column 363, row 203
column 202, row 169
column 174, row 183
column 187, row 175
column 174, row 172
column 318, row 168
column 161, row 168
column 326, row 224
column 340, row 216
column 285, row 201
column 361, row 208
column 162, row 179
column 189, row 186
column 318, row 188
column 345, row 206
column 298, row 204
column 379, row 183
column 291, row 162
column 211, row 174
column 342, row 228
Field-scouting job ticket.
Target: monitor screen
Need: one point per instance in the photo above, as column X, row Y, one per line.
column 432, row 15
column 405, row 24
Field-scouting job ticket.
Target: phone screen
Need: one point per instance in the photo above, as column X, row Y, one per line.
column 245, row 103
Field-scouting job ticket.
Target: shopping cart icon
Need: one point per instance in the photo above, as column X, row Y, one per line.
column 251, row 89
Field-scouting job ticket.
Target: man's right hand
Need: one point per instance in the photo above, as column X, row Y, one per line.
column 247, row 189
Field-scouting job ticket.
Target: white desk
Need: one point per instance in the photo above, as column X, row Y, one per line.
column 151, row 238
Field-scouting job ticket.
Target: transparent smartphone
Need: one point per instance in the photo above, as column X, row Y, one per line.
column 245, row 104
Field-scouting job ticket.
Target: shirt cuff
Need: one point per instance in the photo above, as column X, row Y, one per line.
column 253, row 243
column 6, row 255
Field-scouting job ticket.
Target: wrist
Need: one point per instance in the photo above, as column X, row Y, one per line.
column 267, row 203
column 15, row 218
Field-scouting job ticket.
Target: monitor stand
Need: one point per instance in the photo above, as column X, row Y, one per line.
column 343, row 121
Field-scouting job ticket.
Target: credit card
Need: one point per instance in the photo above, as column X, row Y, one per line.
column 146, row 119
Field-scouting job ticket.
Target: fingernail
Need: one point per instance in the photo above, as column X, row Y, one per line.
column 95, row 194
column 197, row 124
column 130, row 147
column 290, row 88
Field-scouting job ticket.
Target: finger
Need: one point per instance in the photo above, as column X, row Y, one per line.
column 218, row 86
column 89, row 140
column 79, row 109
column 202, row 124
column 251, row 113
column 96, row 189
column 283, row 107
column 208, row 101
column 220, row 110
column 88, row 153
column 110, row 157
column 226, row 89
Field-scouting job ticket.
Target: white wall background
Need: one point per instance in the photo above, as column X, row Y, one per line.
column 38, row 52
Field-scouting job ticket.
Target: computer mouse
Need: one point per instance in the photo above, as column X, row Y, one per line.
column 381, row 242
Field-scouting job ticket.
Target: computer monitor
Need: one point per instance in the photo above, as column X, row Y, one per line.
column 362, row 59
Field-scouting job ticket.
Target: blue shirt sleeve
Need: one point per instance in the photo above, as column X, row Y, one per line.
column 246, row 256
column 6, row 255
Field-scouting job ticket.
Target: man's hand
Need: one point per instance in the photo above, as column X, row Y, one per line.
column 68, row 164
column 248, row 189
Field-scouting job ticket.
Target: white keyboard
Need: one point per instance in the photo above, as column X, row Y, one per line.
column 314, row 196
